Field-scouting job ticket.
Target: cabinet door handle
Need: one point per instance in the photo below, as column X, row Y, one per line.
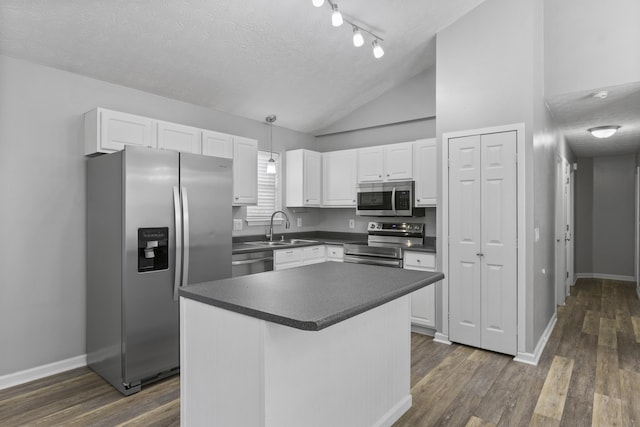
column 388, row 175
column 418, row 200
column 379, row 176
column 480, row 254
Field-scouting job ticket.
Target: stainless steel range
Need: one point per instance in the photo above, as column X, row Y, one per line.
column 385, row 243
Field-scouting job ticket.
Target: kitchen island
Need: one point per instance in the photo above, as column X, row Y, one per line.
column 324, row 344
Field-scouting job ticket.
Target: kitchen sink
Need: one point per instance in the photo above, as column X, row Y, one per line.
column 296, row 241
column 281, row 242
column 267, row 243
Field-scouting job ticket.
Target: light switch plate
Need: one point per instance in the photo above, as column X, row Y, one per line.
column 352, row 223
column 299, row 222
column 237, row 224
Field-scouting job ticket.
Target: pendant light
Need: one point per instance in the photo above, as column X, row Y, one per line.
column 271, row 164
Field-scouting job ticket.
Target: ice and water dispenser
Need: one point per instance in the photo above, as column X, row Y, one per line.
column 153, row 249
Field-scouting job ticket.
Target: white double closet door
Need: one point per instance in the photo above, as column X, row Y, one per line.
column 483, row 241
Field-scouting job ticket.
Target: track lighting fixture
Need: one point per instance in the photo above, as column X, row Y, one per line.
column 378, row 52
column 337, row 19
column 336, row 16
column 358, row 40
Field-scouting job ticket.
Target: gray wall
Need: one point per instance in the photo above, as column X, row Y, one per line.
column 489, row 67
column 583, row 239
column 605, row 215
column 591, row 44
column 413, row 101
column 42, row 182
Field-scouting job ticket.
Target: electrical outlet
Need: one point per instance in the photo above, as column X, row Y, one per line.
column 352, row 223
column 299, row 222
column 237, row 224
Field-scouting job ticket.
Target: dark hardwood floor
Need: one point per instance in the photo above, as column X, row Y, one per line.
column 589, row 374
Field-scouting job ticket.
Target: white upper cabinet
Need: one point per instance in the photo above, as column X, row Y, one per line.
column 176, row 137
column 303, row 178
column 425, row 172
column 245, row 171
column 107, row 131
column 370, row 164
column 391, row 162
column 339, row 178
column 217, row 144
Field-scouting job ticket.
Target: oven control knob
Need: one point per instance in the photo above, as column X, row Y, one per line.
column 372, row 225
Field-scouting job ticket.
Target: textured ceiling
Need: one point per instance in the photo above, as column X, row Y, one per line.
column 246, row 57
column 579, row 111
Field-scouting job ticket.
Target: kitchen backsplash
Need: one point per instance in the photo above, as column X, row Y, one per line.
column 325, row 219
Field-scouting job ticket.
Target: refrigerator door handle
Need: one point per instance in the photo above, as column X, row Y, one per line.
column 177, row 212
column 185, row 221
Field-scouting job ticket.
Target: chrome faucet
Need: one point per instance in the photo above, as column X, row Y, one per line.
column 287, row 225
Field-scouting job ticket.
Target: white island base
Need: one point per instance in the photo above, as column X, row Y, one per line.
column 238, row 370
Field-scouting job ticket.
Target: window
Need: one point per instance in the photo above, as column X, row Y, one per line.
column 269, row 191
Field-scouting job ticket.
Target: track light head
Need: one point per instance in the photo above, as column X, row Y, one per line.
column 358, row 40
column 336, row 16
column 378, row 52
column 317, row 3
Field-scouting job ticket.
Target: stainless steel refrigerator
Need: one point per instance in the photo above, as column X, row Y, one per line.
column 156, row 220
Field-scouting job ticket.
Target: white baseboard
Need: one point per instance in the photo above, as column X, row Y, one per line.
column 395, row 413
column 38, row 372
column 605, row 276
column 423, row 330
column 533, row 358
column 441, row 338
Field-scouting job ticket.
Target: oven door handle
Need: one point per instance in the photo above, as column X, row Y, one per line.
column 377, row 261
column 393, row 201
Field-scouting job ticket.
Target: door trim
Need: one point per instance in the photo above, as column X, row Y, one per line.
column 523, row 222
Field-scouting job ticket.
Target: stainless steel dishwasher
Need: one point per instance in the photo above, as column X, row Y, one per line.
column 251, row 263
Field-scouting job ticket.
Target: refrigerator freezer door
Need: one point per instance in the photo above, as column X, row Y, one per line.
column 150, row 314
column 208, row 181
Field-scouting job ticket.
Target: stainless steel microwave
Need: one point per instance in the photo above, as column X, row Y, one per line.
column 386, row 199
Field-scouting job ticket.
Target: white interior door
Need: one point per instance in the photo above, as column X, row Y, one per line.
column 483, row 241
column 561, row 269
column 464, row 240
column 498, row 212
column 568, row 226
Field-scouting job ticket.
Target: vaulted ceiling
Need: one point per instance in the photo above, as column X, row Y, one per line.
column 246, row 57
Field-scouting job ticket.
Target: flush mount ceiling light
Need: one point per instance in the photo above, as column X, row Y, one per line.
column 271, row 164
column 603, row 131
column 337, row 19
column 602, row 94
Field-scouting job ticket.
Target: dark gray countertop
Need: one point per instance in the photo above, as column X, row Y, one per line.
column 312, row 297
column 322, row 238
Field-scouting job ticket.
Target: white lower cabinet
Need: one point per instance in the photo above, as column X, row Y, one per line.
column 313, row 255
column 306, row 255
column 287, row 258
column 423, row 301
column 335, row 253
